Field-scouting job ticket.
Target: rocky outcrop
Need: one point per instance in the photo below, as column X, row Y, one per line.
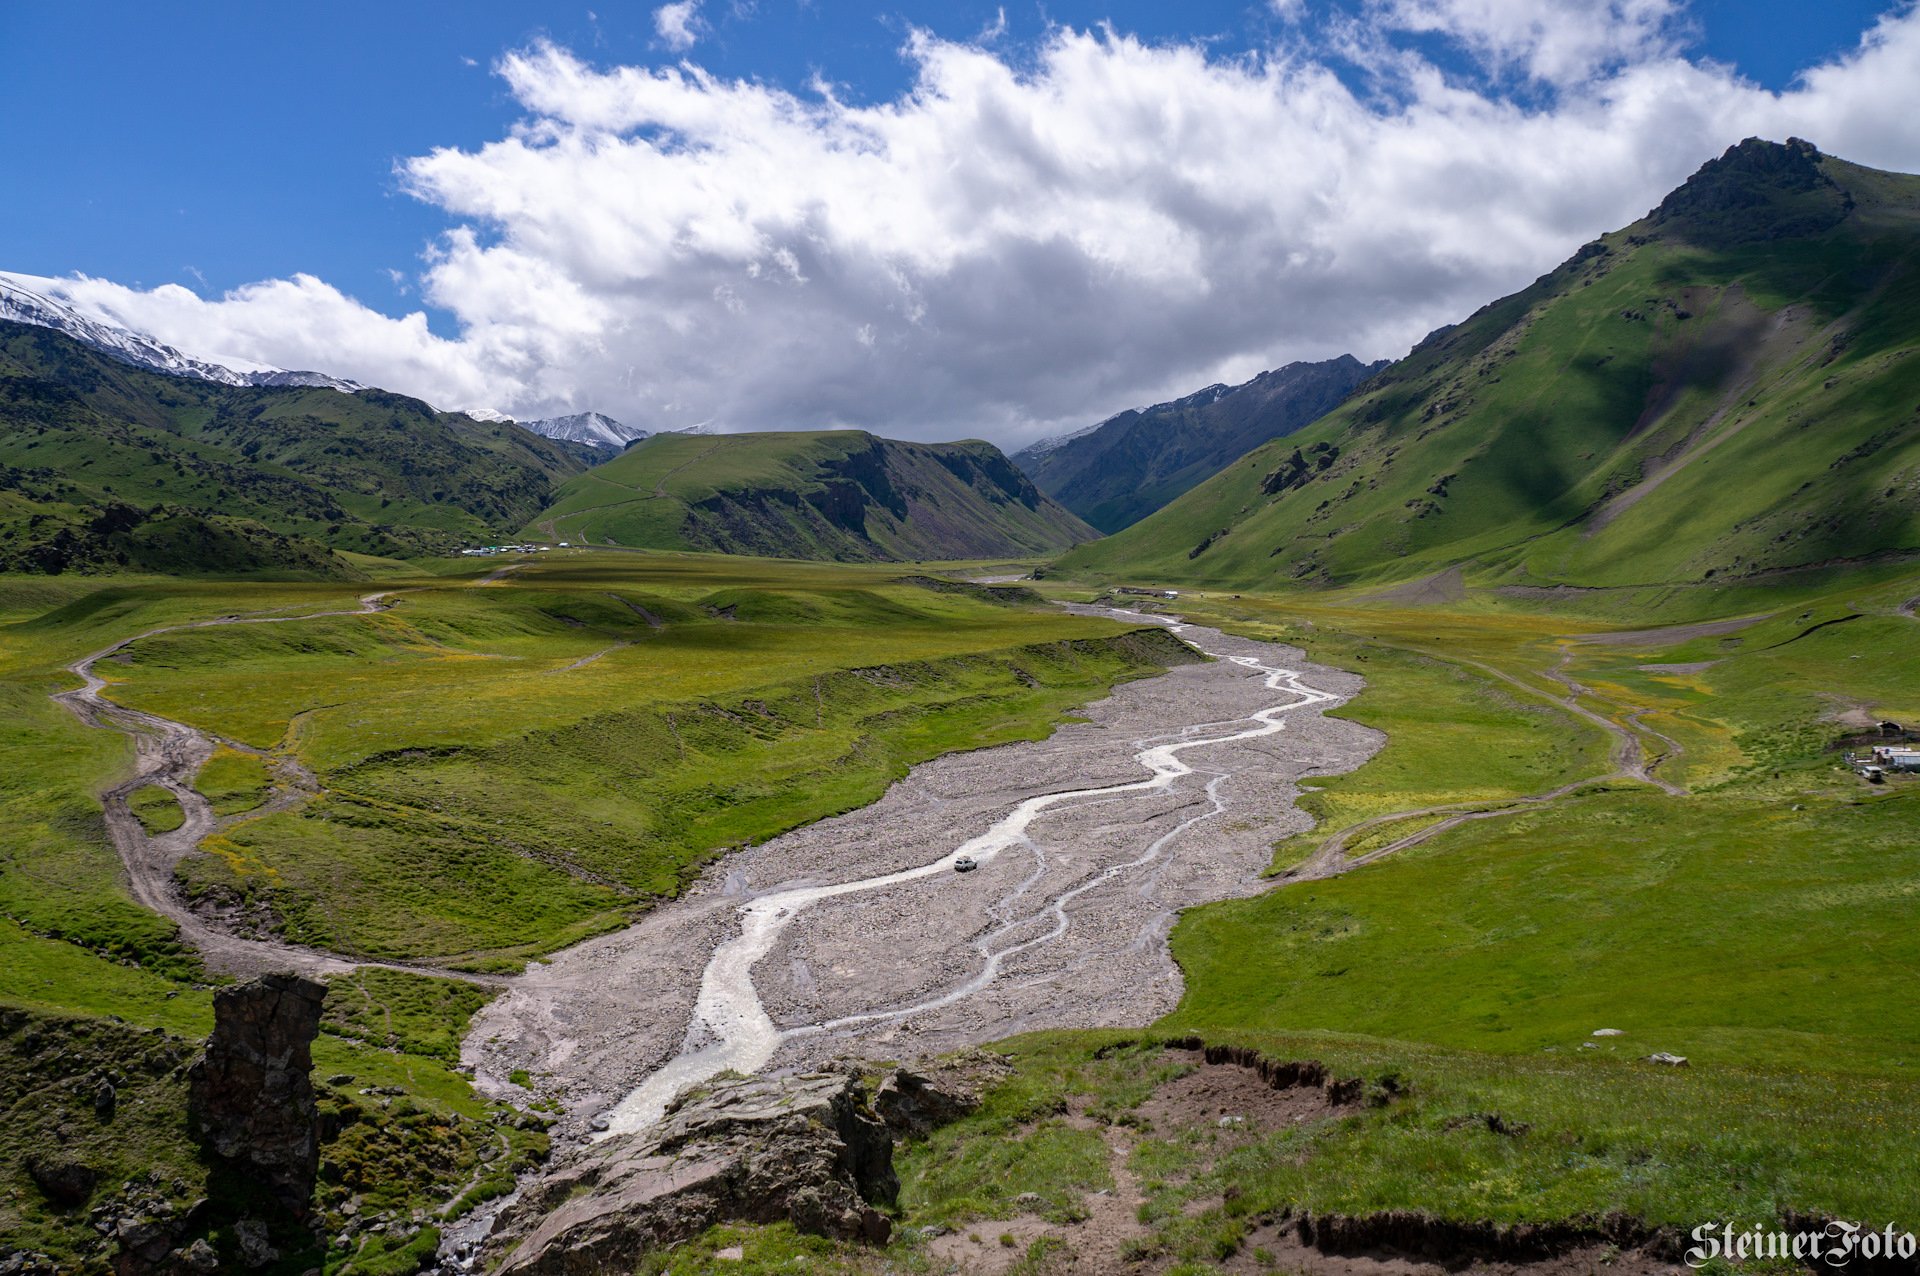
column 805, row 1150
column 64, row 1182
column 914, row 1102
column 250, row 1096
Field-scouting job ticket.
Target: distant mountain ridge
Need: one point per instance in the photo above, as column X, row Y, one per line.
column 1725, row 390
column 21, row 304
column 106, row 465
column 594, row 428
column 842, row 495
column 1117, row 472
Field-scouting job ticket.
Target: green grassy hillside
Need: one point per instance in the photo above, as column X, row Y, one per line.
column 1720, row 392
column 834, row 494
column 108, row 467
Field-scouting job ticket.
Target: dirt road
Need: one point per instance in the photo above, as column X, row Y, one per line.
column 856, row 935
column 169, row 754
column 1627, row 757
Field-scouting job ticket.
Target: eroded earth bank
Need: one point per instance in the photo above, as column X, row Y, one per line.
column 856, row 936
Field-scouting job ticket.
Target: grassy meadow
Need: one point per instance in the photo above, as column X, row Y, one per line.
column 504, row 762
column 1761, row 925
column 504, row 765
column 507, row 767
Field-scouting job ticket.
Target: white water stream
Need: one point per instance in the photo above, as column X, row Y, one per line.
column 733, row 1026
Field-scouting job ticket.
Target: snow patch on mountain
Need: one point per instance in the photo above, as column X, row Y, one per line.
column 1035, row 451
column 24, row 304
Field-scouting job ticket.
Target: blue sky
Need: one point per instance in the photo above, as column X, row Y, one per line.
column 214, row 145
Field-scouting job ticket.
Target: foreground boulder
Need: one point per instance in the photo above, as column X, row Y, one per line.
column 916, row 1101
column 250, row 1096
column 804, row 1149
column 65, row 1183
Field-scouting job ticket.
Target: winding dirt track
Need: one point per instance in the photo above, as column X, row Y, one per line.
column 170, row 754
column 1627, row 756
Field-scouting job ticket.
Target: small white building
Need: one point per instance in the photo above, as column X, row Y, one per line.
column 1896, row 757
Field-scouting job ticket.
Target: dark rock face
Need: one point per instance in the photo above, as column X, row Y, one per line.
column 250, row 1098
column 803, row 1149
column 913, row 1103
column 65, row 1183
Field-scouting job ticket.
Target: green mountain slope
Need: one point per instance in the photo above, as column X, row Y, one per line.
column 831, row 494
column 1132, row 464
column 103, row 465
column 1724, row 390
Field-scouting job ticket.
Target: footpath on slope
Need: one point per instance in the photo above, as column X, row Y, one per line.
column 1627, row 757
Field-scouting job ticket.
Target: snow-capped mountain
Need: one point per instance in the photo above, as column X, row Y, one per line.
column 595, row 428
column 278, row 376
column 1058, row 441
column 1198, row 399
column 24, row 305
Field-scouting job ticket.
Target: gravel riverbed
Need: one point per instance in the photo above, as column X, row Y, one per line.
column 1064, row 928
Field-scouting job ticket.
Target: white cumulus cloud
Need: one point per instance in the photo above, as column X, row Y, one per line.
column 678, row 25
column 1557, row 41
column 1023, row 242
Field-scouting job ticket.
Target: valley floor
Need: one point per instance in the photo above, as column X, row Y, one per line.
column 1166, row 794
column 1531, row 824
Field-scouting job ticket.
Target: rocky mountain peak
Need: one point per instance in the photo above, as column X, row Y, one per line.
column 1756, row 190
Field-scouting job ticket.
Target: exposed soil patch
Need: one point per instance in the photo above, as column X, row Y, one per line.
column 996, row 1245
column 1236, row 1097
column 1230, row 1090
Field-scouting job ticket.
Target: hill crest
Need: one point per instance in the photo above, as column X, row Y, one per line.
column 1689, row 400
column 831, row 494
